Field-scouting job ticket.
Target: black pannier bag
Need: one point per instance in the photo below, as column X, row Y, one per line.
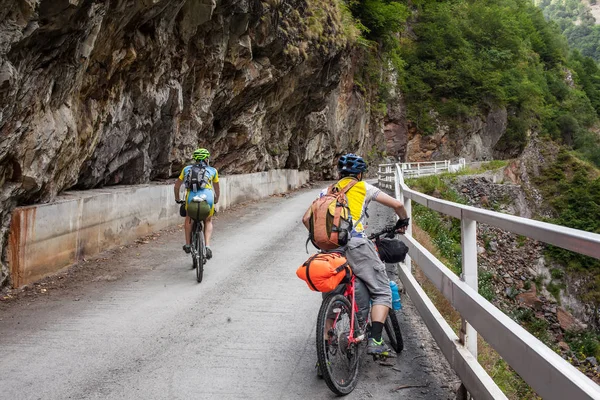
column 391, row 250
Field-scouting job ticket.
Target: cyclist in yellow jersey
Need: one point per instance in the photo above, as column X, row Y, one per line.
column 209, row 188
column 361, row 252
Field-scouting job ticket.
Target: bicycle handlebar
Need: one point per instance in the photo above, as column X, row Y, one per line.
column 391, row 230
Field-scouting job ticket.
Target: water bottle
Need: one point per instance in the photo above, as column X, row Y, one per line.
column 396, row 304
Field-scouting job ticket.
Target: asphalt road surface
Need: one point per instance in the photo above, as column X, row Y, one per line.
column 134, row 324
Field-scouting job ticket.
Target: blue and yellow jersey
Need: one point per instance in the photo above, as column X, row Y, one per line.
column 208, row 191
column 359, row 198
column 213, row 175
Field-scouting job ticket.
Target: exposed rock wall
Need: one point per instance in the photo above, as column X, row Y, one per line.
column 474, row 138
column 96, row 92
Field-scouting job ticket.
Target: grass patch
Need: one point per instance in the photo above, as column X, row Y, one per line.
column 554, row 289
column 444, row 232
column 572, row 187
column 584, row 344
column 538, row 327
column 486, row 289
column 492, row 165
column 488, row 166
column 441, row 303
column 505, row 377
column 513, row 386
column 436, row 185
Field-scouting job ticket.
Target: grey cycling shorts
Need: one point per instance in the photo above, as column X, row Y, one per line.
column 364, row 260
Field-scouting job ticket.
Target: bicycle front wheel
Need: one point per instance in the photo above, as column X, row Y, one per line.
column 392, row 329
column 199, row 255
column 338, row 358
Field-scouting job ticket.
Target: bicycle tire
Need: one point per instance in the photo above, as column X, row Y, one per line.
column 200, row 252
column 392, row 329
column 194, row 233
column 338, row 361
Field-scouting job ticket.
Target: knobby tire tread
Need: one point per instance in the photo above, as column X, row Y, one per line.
column 199, row 255
column 392, row 328
column 321, row 349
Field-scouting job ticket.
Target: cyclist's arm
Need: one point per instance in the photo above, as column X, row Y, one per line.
column 217, row 191
column 389, row 201
column 178, row 183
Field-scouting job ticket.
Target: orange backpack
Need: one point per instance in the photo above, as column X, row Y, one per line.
column 328, row 219
column 323, row 272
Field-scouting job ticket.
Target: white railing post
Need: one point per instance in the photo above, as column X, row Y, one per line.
column 399, row 182
column 551, row 376
column 469, row 276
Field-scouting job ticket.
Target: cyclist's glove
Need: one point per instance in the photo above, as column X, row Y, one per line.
column 401, row 223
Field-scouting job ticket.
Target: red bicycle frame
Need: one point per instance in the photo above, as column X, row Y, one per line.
column 350, row 292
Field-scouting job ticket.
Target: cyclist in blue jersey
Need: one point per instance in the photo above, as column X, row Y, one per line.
column 200, row 179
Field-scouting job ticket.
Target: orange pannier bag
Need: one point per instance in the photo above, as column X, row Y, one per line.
column 323, row 272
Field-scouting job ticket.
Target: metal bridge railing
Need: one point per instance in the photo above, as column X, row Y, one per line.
column 545, row 371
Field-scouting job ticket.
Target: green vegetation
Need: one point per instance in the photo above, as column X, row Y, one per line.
column 576, row 22
column 510, row 382
column 474, row 55
column 463, row 58
column 584, row 344
column 444, row 232
column 380, row 22
column 486, row 289
column 436, row 185
column 471, row 56
column 554, row 288
column 572, row 188
column 538, row 327
column 557, row 274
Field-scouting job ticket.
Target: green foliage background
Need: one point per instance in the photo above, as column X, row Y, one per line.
column 455, row 59
column 458, row 58
column 576, row 22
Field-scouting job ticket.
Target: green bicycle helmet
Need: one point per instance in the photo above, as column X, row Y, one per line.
column 201, row 155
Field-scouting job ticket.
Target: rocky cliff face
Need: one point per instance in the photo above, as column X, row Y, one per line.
column 96, row 92
column 474, row 138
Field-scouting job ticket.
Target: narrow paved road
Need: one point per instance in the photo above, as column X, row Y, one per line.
column 134, row 324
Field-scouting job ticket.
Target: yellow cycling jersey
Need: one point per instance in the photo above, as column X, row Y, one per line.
column 359, row 198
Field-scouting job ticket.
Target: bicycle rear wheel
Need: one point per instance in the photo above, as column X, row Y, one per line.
column 199, row 253
column 394, row 335
column 193, row 246
column 338, row 359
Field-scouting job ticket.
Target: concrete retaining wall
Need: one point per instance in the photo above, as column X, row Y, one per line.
column 46, row 238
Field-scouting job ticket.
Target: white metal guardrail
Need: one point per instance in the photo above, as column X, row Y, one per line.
column 544, row 370
column 417, row 170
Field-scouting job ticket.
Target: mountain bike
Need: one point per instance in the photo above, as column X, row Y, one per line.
column 340, row 335
column 198, row 246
